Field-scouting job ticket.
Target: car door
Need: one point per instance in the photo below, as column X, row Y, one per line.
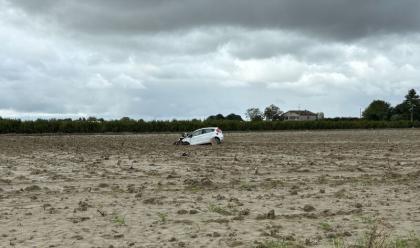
column 202, row 137
column 207, row 135
column 197, row 136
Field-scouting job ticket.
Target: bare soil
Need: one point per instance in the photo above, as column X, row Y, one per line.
column 307, row 188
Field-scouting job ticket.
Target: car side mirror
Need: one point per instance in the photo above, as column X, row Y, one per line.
column 189, row 136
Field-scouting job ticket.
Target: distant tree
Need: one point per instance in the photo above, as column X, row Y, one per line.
column 216, row 117
column 254, row 114
column 378, row 110
column 411, row 104
column 272, row 113
column 412, row 96
column 92, row 118
column 234, row 117
column 400, row 112
column 125, row 119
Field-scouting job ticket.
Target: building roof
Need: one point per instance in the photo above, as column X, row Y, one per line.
column 301, row 112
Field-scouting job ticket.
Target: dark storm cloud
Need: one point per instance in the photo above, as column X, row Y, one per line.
column 341, row 19
column 193, row 58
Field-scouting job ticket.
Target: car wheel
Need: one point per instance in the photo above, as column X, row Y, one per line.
column 217, row 140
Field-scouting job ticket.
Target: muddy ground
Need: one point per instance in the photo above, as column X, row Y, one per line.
column 308, row 189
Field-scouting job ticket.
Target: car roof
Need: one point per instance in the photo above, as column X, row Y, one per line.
column 206, row 128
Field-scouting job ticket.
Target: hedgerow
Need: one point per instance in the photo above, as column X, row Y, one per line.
column 140, row 126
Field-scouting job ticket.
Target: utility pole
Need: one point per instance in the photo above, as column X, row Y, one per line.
column 412, row 108
column 412, row 115
column 412, row 105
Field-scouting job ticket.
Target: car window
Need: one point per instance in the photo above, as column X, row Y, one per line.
column 209, row 130
column 195, row 133
column 204, row 131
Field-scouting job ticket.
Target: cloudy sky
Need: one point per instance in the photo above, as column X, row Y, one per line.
column 163, row 59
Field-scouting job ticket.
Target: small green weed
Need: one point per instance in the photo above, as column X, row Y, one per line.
column 325, row 226
column 279, row 244
column 162, row 217
column 217, row 209
column 338, row 243
column 120, row 220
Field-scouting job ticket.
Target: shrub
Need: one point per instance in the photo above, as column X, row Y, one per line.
column 140, row 126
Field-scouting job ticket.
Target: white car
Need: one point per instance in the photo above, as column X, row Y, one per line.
column 207, row 135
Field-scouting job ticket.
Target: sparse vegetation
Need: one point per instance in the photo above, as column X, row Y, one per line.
column 325, row 226
column 135, row 190
column 338, row 243
column 218, row 209
column 377, row 237
column 279, row 244
column 163, row 217
column 119, row 220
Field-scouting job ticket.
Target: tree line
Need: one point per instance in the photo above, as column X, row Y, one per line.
column 379, row 114
column 409, row 109
column 140, row 126
column 270, row 113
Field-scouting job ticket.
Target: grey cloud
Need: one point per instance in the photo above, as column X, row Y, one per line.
column 340, row 19
column 192, row 58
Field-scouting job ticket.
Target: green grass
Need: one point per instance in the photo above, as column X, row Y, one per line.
column 377, row 237
column 217, row 209
column 280, row 244
column 372, row 238
column 120, row 220
column 163, row 217
column 409, row 242
column 325, row 226
column 338, row 243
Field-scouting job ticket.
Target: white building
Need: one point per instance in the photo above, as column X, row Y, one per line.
column 301, row 115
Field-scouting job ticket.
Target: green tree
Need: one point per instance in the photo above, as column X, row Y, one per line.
column 272, row 113
column 410, row 104
column 378, row 110
column 92, row 118
column 254, row 114
column 233, row 117
column 125, row 119
column 216, row 117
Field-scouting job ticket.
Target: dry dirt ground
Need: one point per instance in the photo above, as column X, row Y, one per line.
column 271, row 189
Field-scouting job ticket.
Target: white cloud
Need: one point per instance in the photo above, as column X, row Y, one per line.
column 277, row 69
column 128, row 82
column 98, row 82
